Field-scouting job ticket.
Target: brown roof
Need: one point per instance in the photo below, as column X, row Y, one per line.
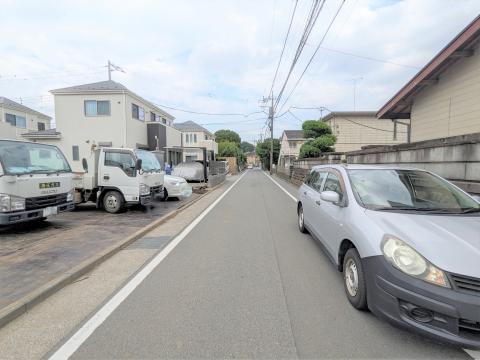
column 462, row 45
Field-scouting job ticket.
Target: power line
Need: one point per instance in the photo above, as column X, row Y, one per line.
column 207, row 113
column 370, row 58
column 314, row 53
column 283, row 48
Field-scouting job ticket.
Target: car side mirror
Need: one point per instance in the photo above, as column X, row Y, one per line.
column 138, row 164
column 330, row 196
column 85, row 165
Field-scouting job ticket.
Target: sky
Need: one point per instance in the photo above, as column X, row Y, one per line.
column 220, row 56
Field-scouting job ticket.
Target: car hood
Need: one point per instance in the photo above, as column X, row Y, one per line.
column 174, row 178
column 450, row 242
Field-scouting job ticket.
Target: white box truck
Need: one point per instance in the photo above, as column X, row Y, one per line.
column 117, row 177
column 35, row 182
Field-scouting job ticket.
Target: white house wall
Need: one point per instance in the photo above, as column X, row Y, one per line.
column 12, row 132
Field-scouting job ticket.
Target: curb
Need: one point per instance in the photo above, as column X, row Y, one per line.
column 24, row 304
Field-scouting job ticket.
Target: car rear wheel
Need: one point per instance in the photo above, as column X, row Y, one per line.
column 354, row 280
column 113, row 202
column 164, row 194
column 301, row 220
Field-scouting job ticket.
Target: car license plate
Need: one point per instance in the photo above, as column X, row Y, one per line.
column 52, row 210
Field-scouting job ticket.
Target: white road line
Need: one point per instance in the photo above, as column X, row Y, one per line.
column 82, row 334
column 281, row 187
column 473, row 353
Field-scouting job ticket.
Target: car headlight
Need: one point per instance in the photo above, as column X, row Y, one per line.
column 144, row 189
column 174, row 183
column 410, row 262
column 11, row 203
column 70, row 196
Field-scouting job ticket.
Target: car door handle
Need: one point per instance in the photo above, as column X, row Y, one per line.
column 106, row 177
column 318, row 202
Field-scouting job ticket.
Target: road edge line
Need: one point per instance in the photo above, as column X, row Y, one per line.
column 69, row 347
column 281, row 187
column 27, row 302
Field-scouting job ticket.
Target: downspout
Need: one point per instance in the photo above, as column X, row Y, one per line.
column 125, row 116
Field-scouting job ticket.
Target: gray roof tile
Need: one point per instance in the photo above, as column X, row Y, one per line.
column 294, row 134
column 19, row 107
column 190, row 126
column 108, row 85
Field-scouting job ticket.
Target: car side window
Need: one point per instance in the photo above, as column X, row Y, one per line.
column 333, row 184
column 311, row 178
column 317, row 185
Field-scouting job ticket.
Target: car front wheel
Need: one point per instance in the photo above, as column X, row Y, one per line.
column 354, row 280
column 113, row 202
column 301, row 221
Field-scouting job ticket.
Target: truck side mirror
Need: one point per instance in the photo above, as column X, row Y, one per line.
column 85, row 165
column 138, row 164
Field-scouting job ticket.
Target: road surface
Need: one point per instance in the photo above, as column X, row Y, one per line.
column 244, row 283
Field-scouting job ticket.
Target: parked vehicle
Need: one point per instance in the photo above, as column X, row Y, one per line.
column 407, row 241
column 35, row 182
column 175, row 186
column 190, row 171
column 116, row 177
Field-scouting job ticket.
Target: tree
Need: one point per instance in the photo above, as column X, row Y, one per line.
column 313, row 129
column 227, row 149
column 227, row 135
column 263, row 152
column 247, row 147
column 321, row 139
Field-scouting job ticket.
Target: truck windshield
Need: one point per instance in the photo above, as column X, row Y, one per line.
column 19, row 158
column 409, row 190
column 149, row 161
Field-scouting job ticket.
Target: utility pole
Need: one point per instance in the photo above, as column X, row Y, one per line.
column 271, row 115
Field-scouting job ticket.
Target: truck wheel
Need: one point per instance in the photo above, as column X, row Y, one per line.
column 113, row 202
column 164, row 194
column 354, row 280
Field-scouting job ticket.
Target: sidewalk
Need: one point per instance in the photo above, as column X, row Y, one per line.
column 33, row 256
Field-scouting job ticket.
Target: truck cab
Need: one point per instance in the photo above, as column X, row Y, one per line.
column 117, row 177
column 35, row 182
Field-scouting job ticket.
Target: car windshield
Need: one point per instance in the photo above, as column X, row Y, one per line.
column 18, row 158
column 408, row 190
column 149, row 161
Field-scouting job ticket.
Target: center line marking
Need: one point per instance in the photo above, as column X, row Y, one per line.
column 82, row 334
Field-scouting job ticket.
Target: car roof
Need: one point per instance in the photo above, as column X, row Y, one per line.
column 365, row 167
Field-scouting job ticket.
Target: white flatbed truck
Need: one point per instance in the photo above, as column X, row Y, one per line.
column 117, row 177
column 35, row 182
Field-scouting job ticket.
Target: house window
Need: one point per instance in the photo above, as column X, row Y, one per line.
column 153, row 117
column 194, row 138
column 41, row 126
column 206, row 137
column 15, row 120
column 75, row 153
column 164, row 120
column 97, row 108
column 138, row 112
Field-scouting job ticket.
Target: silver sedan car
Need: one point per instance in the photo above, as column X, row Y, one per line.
column 407, row 242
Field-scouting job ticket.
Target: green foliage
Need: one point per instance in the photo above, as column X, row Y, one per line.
column 323, row 139
column 227, row 135
column 227, row 149
column 247, row 147
column 263, row 152
column 314, row 129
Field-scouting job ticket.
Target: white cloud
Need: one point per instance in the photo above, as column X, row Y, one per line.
column 220, row 55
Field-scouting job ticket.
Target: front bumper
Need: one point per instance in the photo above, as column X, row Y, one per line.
column 145, row 199
column 156, row 190
column 23, row 216
column 452, row 316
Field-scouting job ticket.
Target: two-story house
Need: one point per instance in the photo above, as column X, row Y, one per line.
column 102, row 114
column 290, row 144
column 196, row 140
column 17, row 119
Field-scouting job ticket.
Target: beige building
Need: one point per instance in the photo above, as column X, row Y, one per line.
column 102, row 114
column 442, row 100
column 195, row 140
column 355, row 129
column 290, row 144
column 17, row 119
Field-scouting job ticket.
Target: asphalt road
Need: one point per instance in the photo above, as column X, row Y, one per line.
column 245, row 283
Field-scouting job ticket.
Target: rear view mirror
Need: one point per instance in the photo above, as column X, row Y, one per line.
column 138, row 164
column 330, row 196
column 85, row 165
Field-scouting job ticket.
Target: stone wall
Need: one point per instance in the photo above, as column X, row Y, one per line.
column 456, row 158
